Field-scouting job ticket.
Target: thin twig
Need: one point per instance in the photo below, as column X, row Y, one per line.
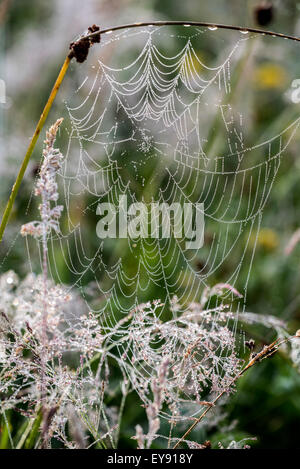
column 196, row 24
column 121, row 411
column 266, row 352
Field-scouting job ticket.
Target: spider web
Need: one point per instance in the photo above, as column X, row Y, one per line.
column 152, row 121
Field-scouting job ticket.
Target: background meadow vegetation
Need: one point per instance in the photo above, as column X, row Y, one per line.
column 34, row 38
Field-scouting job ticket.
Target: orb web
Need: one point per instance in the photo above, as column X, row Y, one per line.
column 156, row 119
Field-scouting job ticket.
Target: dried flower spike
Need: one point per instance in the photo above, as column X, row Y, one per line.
column 46, row 188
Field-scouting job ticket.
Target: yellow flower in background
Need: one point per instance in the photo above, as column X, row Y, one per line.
column 270, row 76
column 195, row 64
column 267, row 239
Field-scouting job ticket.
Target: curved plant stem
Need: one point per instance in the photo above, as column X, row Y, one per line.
column 32, row 144
column 196, row 24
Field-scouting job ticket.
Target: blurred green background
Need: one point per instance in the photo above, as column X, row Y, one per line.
column 34, row 38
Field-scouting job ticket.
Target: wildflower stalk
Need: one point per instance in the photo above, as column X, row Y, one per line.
column 44, row 320
column 121, row 411
column 46, row 188
column 266, row 352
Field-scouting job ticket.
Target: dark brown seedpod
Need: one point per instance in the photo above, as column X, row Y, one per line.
column 35, row 170
column 201, row 266
column 96, row 38
column 250, row 344
column 4, row 316
column 207, row 444
column 264, row 14
column 29, row 328
column 80, row 49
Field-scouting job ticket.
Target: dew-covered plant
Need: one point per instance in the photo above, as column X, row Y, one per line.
column 177, row 367
column 58, row 360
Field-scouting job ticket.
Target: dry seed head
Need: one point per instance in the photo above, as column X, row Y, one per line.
column 52, row 132
column 47, row 188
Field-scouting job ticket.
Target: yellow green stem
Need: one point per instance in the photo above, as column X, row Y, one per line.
column 32, row 144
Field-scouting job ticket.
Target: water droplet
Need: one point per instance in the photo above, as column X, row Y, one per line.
column 186, row 25
column 10, row 280
column 109, row 32
column 212, row 28
column 244, row 31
